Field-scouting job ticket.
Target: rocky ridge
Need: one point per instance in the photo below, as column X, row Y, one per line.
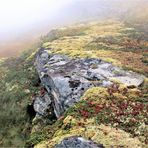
column 66, row 79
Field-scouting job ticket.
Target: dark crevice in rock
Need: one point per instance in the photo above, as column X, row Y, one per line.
column 74, row 83
column 31, row 112
column 37, row 82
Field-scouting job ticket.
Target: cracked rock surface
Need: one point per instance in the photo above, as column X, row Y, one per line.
column 42, row 104
column 66, row 79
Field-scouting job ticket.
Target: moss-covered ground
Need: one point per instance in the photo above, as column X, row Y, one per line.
column 114, row 116
column 18, row 84
column 113, row 42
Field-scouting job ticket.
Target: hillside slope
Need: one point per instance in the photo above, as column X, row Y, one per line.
column 19, row 81
column 114, row 43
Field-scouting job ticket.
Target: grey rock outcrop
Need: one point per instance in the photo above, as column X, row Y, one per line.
column 42, row 104
column 77, row 142
column 67, row 79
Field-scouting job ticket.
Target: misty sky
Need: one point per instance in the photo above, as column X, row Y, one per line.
column 22, row 16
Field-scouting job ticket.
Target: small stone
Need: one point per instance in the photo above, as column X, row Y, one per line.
column 77, row 142
column 106, row 83
column 44, row 56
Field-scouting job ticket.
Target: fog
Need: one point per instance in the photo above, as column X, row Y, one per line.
column 19, row 16
column 22, row 22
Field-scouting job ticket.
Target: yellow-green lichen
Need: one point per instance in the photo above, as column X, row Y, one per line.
column 106, row 135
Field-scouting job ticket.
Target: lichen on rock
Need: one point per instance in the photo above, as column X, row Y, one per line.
column 67, row 79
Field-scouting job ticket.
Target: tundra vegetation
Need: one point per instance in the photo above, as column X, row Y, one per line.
column 113, row 116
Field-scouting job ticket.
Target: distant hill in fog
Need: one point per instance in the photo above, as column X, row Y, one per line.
column 130, row 11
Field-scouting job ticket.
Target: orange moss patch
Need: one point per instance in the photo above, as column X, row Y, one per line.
column 128, row 60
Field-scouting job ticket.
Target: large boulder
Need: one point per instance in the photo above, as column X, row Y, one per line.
column 67, row 79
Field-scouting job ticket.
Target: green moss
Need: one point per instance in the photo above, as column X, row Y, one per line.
column 97, row 94
column 18, row 83
column 90, row 130
column 35, row 138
